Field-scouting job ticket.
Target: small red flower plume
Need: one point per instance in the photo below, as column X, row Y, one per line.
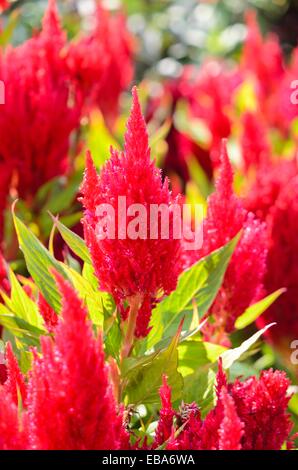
column 48, row 314
column 67, row 401
column 249, row 415
column 166, row 415
column 130, row 267
column 101, row 62
column 70, row 402
column 263, row 60
column 243, row 281
column 38, row 102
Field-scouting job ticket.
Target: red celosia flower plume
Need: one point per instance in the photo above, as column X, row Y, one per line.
column 243, row 280
column 101, row 62
column 166, row 415
column 254, row 141
column 67, row 402
column 4, row 4
column 274, row 197
column 249, row 415
column 11, row 435
column 15, row 384
column 37, row 103
column 48, row 314
column 261, row 405
column 129, row 267
column 262, row 58
column 70, row 402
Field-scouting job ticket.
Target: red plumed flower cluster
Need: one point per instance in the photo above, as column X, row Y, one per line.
column 243, row 281
column 249, row 415
column 129, row 267
column 274, row 197
column 49, row 83
column 101, row 62
column 38, row 116
column 67, row 401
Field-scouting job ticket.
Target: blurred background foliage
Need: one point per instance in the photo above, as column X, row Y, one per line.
column 170, row 33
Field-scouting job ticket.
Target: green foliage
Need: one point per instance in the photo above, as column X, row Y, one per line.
column 199, row 283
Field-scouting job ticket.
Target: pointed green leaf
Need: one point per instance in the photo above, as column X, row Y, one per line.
column 145, row 378
column 254, row 311
column 232, row 355
column 39, row 263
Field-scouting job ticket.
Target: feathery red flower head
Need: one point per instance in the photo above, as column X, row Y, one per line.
column 38, row 117
column 101, row 62
column 70, row 401
column 129, row 267
column 254, row 141
column 274, row 198
column 263, row 58
column 67, row 401
column 243, row 280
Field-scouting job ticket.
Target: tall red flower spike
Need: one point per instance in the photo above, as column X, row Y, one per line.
column 129, row 267
column 231, row 428
column 263, row 59
column 101, row 62
column 70, row 402
column 254, row 141
column 37, row 85
column 166, row 415
column 48, row 313
column 15, row 384
column 12, row 437
column 243, row 281
column 274, row 197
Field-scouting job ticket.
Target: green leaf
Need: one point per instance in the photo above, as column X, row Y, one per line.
column 200, row 282
column 94, row 299
column 144, row 379
column 255, row 310
column 232, row 355
column 28, row 334
column 39, row 263
column 75, row 243
column 22, row 305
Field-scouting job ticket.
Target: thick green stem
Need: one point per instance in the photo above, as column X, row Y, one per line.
column 135, row 303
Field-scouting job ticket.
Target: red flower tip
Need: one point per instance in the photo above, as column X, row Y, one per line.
column 136, row 136
column 15, row 382
column 231, row 428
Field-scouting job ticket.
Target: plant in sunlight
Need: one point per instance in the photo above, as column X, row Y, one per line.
column 148, row 273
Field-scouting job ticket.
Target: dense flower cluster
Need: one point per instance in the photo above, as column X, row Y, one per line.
column 37, row 86
column 243, row 281
column 127, row 267
column 67, row 399
column 101, row 81
column 274, row 197
column 249, row 415
column 51, row 83
column 80, row 349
